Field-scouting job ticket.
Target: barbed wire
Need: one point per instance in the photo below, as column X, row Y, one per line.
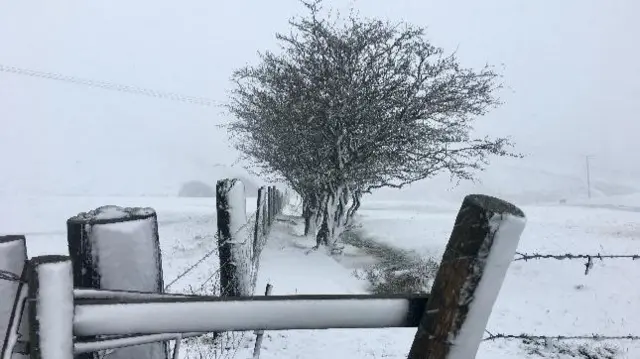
column 524, row 336
column 250, row 220
column 588, row 265
column 9, row 276
column 526, row 256
column 190, row 268
column 106, row 85
column 229, row 343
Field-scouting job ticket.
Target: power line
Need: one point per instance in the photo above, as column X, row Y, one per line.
column 106, row 85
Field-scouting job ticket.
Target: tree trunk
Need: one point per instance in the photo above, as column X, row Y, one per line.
column 322, row 239
column 307, row 225
column 355, row 205
column 333, row 211
column 310, row 213
column 306, row 214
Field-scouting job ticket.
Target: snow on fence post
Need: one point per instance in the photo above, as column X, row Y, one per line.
column 483, row 242
column 118, row 248
column 13, row 256
column 235, row 259
column 51, row 307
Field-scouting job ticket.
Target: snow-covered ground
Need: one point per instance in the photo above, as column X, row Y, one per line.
column 542, row 297
column 545, row 297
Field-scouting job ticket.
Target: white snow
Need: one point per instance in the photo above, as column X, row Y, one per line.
column 241, row 237
column 506, row 230
column 55, row 310
column 237, row 207
column 111, row 212
column 127, row 260
column 126, row 255
column 545, row 297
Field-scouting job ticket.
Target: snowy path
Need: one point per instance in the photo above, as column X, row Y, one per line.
column 287, row 266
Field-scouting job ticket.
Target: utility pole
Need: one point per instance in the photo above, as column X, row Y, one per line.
column 587, row 157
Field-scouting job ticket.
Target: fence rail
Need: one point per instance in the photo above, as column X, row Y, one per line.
column 481, row 247
column 114, row 255
column 212, row 314
column 62, row 319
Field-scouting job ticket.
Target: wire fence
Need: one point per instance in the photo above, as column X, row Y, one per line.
column 247, row 225
column 523, row 336
column 526, row 257
column 588, row 263
column 214, row 345
column 227, row 344
column 588, row 258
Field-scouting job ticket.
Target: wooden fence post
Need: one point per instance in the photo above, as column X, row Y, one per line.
column 258, row 233
column 481, row 247
column 260, row 333
column 263, row 208
column 13, row 256
column 273, row 204
column 118, row 248
column 269, row 213
column 51, row 307
column 235, row 261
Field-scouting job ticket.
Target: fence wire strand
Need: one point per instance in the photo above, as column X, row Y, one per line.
column 250, row 220
column 523, row 336
column 588, row 265
column 226, row 344
column 533, row 256
column 9, row 276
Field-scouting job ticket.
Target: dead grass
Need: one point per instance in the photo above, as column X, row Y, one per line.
column 396, row 271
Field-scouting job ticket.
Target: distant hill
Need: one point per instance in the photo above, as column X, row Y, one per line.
column 537, row 179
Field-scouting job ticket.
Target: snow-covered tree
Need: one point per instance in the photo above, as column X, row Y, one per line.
column 350, row 105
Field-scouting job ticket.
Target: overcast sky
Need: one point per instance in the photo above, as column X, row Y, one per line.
column 572, row 68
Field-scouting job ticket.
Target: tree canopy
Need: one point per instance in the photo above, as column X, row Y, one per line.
column 349, row 105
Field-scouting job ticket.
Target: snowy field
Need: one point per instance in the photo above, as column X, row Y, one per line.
column 543, row 297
